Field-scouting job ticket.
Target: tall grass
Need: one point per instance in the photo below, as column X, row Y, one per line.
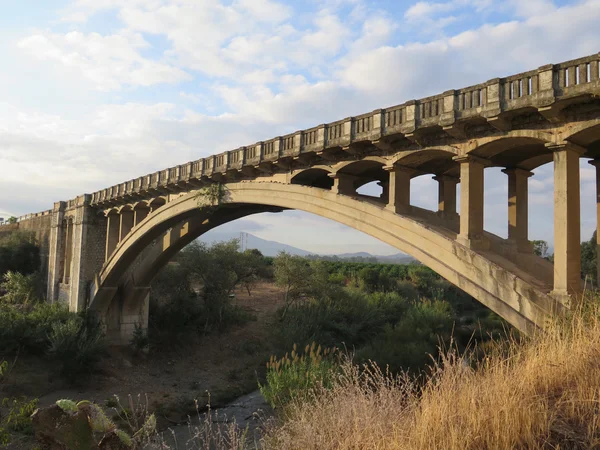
column 540, row 394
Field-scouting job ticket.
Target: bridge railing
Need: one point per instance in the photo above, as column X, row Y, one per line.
column 534, row 88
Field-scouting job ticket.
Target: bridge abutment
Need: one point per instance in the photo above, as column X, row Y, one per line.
column 124, row 314
column 76, row 252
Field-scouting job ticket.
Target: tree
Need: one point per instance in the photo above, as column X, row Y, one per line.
column 20, row 289
column 219, row 269
column 19, row 252
column 293, row 274
column 540, row 248
column 588, row 259
column 12, row 220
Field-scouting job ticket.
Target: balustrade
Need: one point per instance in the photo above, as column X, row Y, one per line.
column 489, row 99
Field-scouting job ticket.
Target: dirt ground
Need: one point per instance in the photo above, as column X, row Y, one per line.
column 225, row 365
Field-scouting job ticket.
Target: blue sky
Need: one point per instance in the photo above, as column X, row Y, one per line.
column 95, row 92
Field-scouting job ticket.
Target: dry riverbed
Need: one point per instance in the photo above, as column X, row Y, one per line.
column 220, row 368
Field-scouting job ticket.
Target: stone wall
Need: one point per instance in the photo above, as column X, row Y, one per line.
column 40, row 225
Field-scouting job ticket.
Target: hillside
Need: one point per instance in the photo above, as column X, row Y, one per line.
column 272, row 248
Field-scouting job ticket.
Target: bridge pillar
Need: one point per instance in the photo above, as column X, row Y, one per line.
column 68, row 251
column 596, row 164
column 56, row 251
column 399, row 189
column 385, row 191
column 518, row 220
column 567, row 233
column 471, row 202
column 76, row 251
column 87, row 251
column 112, row 234
column 122, row 317
column 127, row 222
column 446, row 195
column 140, row 214
column 343, row 183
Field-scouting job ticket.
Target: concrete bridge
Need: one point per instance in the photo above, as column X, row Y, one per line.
column 104, row 248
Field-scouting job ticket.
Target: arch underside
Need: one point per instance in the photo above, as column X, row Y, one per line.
column 496, row 282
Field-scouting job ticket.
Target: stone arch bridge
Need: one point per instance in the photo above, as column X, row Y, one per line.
column 104, row 248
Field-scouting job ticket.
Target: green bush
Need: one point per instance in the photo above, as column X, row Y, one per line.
column 297, row 376
column 18, row 418
column 19, row 252
column 27, row 328
column 192, row 296
column 21, row 289
column 350, row 319
column 139, row 340
column 411, row 343
column 185, row 316
column 78, row 344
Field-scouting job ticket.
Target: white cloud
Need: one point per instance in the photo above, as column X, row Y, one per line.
column 266, row 10
column 108, row 61
column 268, row 76
column 423, row 10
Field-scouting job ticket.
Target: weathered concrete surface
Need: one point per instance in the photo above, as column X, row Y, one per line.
column 500, row 285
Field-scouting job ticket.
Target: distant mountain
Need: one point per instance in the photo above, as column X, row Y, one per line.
column 272, row 248
column 267, row 248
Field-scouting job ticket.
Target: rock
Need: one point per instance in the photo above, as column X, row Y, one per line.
column 57, row 430
column 127, row 364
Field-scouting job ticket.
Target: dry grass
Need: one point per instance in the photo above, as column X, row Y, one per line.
column 542, row 394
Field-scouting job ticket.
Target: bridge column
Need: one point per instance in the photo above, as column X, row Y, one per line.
column 596, row 164
column 385, row 191
column 518, row 220
column 56, row 251
column 399, row 189
column 126, row 224
column 343, row 183
column 471, row 202
column 446, row 195
column 87, row 251
column 112, row 234
column 68, row 251
column 567, row 233
column 140, row 214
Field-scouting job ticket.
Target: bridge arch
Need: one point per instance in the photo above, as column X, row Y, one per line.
column 506, row 290
column 317, row 176
column 430, row 161
column 585, row 134
column 362, row 172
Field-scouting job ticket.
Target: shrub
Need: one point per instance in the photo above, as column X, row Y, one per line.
column 350, row 318
column 19, row 252
column 21, row 289
column 78, row 344
column 185, row 316
column 413, row 342
column 28, row 328
column 537, row 394
column 18, row 418
column 297, row 376
column 139, row 340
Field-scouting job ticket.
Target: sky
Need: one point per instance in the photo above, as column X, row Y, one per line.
column 97, row 92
